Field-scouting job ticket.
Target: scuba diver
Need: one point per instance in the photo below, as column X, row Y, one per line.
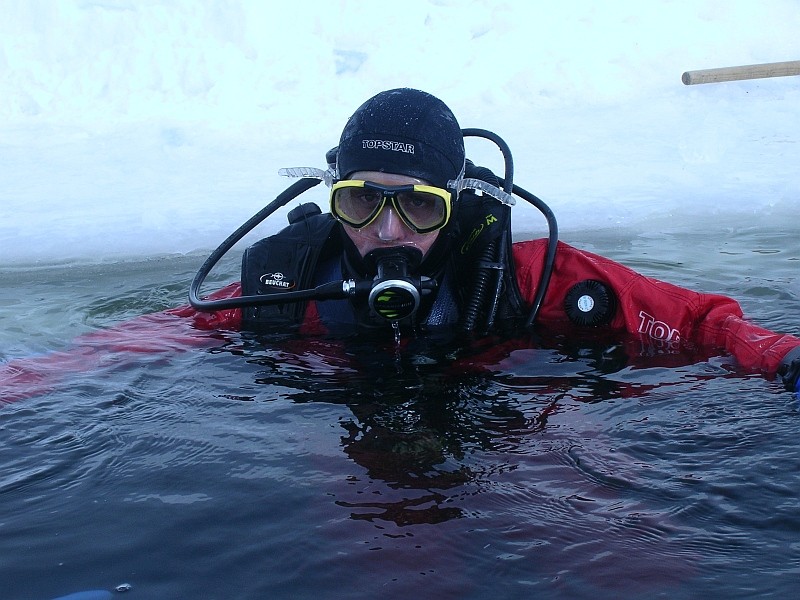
column 418, row 238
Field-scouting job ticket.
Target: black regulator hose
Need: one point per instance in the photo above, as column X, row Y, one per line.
column 509, row 186
column 508, row 160
column 482, row 274
column 491, row 260
column 499, row 278
column 282, row 199
column 486, row 261
column 550, row 257
column 552, row 225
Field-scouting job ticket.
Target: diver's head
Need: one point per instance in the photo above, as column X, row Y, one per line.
column 396, row 156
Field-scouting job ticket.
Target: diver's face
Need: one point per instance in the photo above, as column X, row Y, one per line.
column 388, row 230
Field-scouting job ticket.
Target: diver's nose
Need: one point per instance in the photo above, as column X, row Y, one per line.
column 390, row 225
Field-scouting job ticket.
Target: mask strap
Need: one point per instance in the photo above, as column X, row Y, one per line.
column 328, row 176
column 468, row 183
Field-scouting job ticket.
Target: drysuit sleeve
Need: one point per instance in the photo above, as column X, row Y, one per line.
column 657, row 310
column 173, row 330
column 230, row 319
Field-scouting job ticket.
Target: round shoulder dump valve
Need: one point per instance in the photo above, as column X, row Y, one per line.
column 590, row 303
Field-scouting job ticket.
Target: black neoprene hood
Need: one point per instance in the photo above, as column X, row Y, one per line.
column 403, row 131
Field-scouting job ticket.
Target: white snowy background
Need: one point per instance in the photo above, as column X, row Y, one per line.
column 136, row 128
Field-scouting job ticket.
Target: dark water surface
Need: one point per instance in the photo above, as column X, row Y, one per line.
column 286, row 468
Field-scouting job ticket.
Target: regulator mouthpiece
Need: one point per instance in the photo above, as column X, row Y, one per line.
column 395, row 293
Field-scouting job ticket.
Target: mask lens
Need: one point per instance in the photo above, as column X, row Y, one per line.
column 424, row 210
column 356, row 205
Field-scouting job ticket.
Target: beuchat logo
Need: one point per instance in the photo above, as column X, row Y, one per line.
column 276, row 280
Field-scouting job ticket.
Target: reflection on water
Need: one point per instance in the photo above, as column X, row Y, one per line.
column 550, row 465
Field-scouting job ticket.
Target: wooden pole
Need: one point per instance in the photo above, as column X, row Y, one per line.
column 777, row 69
